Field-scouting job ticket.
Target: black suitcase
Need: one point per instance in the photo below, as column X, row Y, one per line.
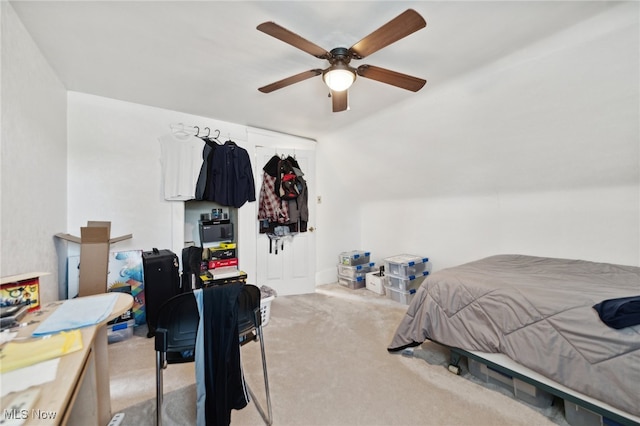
column 161, row 282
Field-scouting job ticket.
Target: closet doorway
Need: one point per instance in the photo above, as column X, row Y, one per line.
column 292, row 270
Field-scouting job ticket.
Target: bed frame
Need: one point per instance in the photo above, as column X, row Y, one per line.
column 605, row 368
column 505, row 365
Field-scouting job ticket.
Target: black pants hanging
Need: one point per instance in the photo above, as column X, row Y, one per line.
column 223, row 373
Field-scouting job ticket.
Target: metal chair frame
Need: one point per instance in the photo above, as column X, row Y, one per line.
column 175, row 339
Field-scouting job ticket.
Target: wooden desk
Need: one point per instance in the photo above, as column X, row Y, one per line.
column 80, row 394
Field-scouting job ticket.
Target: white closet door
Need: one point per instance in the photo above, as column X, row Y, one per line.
column 293, row 269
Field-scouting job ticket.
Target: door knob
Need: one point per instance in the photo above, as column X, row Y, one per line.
column 311, row 229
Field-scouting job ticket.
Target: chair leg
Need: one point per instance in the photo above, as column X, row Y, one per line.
column 268, row 419
column 159, row 392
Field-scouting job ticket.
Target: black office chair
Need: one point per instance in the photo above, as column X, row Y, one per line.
column 176, row 332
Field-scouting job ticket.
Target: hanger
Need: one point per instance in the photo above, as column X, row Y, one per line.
column 179, row 129
column 209, row 140
column 229, row 141
column 215, row 138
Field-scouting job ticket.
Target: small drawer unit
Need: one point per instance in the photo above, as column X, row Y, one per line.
column 355, row 257
column 352, row 283
column 354, row 271
column 406, row 283
column 406, row 265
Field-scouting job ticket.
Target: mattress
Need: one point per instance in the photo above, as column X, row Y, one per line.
column 539, row 312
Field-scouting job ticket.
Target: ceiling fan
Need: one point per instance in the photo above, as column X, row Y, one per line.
column 340, row 74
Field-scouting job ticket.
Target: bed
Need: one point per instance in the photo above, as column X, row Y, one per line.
column 538, row 313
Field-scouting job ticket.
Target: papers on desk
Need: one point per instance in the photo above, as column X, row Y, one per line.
column 78, row 313
column 24, row 378
column 17, row 355
column 56, row 336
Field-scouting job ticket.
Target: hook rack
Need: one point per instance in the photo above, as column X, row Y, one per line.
column 178, row 128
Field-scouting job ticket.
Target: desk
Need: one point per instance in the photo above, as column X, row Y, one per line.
column 80, row 393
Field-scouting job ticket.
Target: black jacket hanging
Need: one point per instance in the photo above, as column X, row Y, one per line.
column 230, row 176
column 207, row 154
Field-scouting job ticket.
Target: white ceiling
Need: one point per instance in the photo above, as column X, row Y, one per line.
column 207, row 58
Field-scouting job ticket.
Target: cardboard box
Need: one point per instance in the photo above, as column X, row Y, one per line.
column 223, row 263
column 94, row 255
column 217, row 253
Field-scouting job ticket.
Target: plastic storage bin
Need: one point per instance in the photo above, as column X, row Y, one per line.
column 580, row 416
column 356, row 270
column 352, row 283
column 522, row 390
column 355, row 257
column 406, row 265
column 120, row 331
column 406, row 283
column 398, row 295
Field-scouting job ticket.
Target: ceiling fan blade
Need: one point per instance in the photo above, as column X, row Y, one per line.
column 283, row 34
column 290, row 80
column 399, row 27
column 393, row 78
column 340, row 100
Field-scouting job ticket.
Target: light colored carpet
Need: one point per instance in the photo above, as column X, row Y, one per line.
column 328, row 365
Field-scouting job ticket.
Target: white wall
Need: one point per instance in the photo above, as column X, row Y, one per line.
column 340, row 213
column 598, row 224
column 33, row 171
column 115, row 173
column 537, row 153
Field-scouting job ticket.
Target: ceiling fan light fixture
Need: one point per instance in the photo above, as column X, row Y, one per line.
column 339, row 77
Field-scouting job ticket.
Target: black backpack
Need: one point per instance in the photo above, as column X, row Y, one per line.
column 288, row 185
column 191, row 263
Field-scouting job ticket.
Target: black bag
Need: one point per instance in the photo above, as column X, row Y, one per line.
column 288, row 184
column 191, row 263
column 161, row 282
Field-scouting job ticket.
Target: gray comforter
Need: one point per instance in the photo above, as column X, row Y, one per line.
column 539, row 312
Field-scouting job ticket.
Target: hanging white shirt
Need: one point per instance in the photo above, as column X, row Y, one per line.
column 181, row 159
